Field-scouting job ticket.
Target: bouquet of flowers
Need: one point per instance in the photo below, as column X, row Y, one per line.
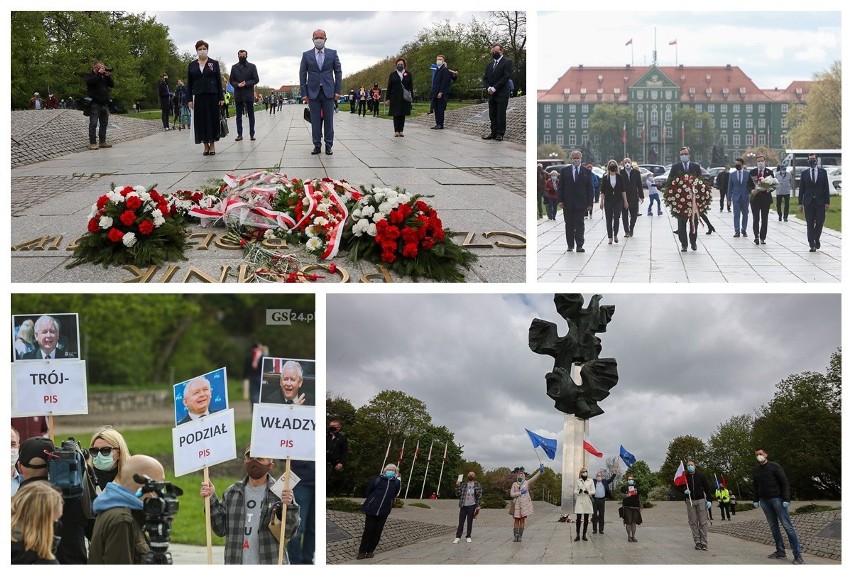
column 131, row 225
column 186, row 200
column 687, row 196
column 405, row 233
column 764, row 185
column 270, row 266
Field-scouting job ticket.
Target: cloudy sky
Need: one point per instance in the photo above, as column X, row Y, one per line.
column 686, row 363
column 275, row 40
column 772, row 47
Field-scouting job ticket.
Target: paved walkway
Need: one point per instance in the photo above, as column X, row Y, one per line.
column 664, row 538
column 477, row 187
column 653, row 254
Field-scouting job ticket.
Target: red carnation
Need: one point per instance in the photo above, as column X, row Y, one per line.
column 93, row 226
column 133, row 203
column 427, row 244
column 409, row 235
column 115, row 235
column 155, row 195
column 126, row 191
column 102, row 201
column 389, row 246
column 396, row 216
column 332, row 267
column 128, row 218
column 388, row 257
column 146, row 227
column 410, row 250
column 405, row 210
column 421, row 205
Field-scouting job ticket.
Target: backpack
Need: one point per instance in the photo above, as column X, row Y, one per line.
column 68, row 472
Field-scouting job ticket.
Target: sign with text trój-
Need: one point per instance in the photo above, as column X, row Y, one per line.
column 49, row 387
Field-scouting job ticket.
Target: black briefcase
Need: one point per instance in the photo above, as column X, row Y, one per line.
column 307, row 114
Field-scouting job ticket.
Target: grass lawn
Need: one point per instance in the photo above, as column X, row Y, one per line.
column 832, row 217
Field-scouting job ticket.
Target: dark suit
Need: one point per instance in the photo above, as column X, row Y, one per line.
column 399, row 108
column 320, row 86
column 497, row 76
column 760, row 204
column 678, row 170
column 244, row 96
column 814, row 195
column 277, row 396
column 633, row 187
column 440, row 85
column 59, row 354
column 613, row 200
column 576, row 197
column 206, row 89
column 722, row 186
column 164, row 93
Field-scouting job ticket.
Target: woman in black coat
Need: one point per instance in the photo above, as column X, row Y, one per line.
column 377, row 506
column 204, row 83
column 399, row 81
column 613, row 198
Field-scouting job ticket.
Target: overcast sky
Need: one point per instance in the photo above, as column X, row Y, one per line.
column 686, row 363
column 772, row 47
column 275, row 40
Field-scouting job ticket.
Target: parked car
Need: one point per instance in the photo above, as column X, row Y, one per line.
column 834, row 179
column 559, row 167
column 655, row 169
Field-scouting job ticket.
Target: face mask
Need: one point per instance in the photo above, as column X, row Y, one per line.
column 628, row 166
column 14, row 456
column 256, row 469
column 201, row 53
column 439, row 63
column 739, row 166
column 520, row 480
column 319, row 43
column 684, row 158
column 812, row 163
column 390, row 474
column 584, row 475
column 495, row 55
column 243, row 59
column 576, row 163
column 553, row 178
column 400, row 67
column 690, row 468
column 613, row 168
column 165, row 79
column 629, row 482
column 103, row 462
column 471, row 478
column 333, row 430
column 761, row 458
column 761, row 165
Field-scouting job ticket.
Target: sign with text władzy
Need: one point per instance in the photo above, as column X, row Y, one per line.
column 204, row 442
column 49, row 387
column 282, row 431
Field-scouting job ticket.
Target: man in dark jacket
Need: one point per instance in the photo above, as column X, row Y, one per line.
column 469, row 495
column 577, row 194
column 165, row 94
column 378, row 504
column 336, row 450
column 722, row 185
column 98, row 83
column 635, row 196
column 599, row 497
column 244, row 78
column 772, row 494
column 698, row 498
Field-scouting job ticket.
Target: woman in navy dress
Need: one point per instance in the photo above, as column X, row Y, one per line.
column 204, row 82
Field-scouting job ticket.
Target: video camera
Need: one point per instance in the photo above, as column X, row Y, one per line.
column 159, row 512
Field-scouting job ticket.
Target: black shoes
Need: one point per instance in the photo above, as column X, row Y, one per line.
column 736, row 235
column 777, row 555
column 437, row 127
column 683, row 247
column 489, row 137
column 745, row 235
column 238, row 139
column 756, row 242
column 694, row 247
column 315, row 151
column 817, row 244
column 571, row 248
column 580, row 250
column 328, row 151
column 577, row 538
column 499, row 138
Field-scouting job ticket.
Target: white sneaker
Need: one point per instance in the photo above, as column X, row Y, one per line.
column 456, row 540
column 469, row 541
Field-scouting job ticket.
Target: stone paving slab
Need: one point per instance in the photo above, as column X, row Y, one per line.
column 653, row 255
column 476, row 189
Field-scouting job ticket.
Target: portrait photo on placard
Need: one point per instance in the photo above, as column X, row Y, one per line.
column 45, row 336
column 288, row 381
column 200, row 396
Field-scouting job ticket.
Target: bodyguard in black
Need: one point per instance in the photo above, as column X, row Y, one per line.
column 336, row 451
column 244, row 78
column 496, row 80
column 165, row 94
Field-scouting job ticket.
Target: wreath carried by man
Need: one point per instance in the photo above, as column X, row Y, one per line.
column 688, row 196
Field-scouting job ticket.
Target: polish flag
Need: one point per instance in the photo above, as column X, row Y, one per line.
column 591, row 449
column 680, row 475
column 629, row 42
column 673, row 42
column 624, row 134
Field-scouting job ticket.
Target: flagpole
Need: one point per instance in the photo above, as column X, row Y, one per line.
column 386, row 457
column 412, row 469
column 428, row 461
column 401, row 451
column 687, row 484
column 441, row 475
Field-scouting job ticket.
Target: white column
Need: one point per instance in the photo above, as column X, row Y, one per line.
column 573, row 454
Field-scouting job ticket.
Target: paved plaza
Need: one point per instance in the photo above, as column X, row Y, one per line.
column 477, row 186
column 653, row 254
column 424, row 536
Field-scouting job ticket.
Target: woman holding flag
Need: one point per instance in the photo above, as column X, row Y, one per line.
column 522, row 505
column 631, row 508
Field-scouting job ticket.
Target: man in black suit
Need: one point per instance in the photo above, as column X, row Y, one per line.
column 679, row 169
column 722, row 185
column 497, row 76
column 289, row 384
column 46, row 332
column 635, row 195
column 576, row 193
column 244, row 78
column 760, row 201
column 440, row 89
column 196, row 398
column 814, row 199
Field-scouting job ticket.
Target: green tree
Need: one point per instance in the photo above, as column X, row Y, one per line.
column 817, row 125
column 681, row 448
column 800, row 428
column 644, row 478
column 719, row 157
column 699, row 134
column 509, row 29
column 730, row 453
column 606, row 122
column 341, row 409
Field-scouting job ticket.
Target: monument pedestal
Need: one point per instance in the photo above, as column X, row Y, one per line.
column 573, row 458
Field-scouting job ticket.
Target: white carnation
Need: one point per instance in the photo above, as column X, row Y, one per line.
column 368, row 211
column 129, row 239
column 105, row 222
column 313, row 244
column 372, row 230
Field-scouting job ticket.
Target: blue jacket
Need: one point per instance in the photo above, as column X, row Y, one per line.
column 312, row 80
column 380, row 495
column 738, row 190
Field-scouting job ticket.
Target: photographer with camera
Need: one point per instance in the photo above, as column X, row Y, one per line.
column 99, row 82
column 245, row 513
column 119, row 538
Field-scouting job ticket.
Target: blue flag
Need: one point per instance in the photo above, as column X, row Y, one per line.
column 548, row 445
column 629, row 458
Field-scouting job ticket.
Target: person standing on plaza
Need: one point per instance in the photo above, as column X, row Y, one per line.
column 698, row 500
column 596, row 182
column 523, row 505
column 321, row 80
column 653, row 195
column 551, row 194
column 399, row 96
column 378, row 504
column 496, row 80
column 722, row 179
column 738, row 196
column 631, row 508
column 685, row 167
column 783, row 191
column 336, row 453
column 723, row 496
column 99, row 82
column 576, row 193
column 204, row 82
column 469, row 494
column 244, row 78
column 165, row 95
column 814, row 200
column 583, row 490
column 376, row 94
column 635, row 196
column 601, row 493
column 439, row 92
column 760, row 200
column 540, row 184
column 772, row 494
column 613, row 199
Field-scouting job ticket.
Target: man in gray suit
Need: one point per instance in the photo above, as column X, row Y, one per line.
column 814, row 199
column 321, row 80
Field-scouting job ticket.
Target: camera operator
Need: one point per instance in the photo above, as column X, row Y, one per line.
column 245, row 511
column 99, row 83
column 118, row 538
